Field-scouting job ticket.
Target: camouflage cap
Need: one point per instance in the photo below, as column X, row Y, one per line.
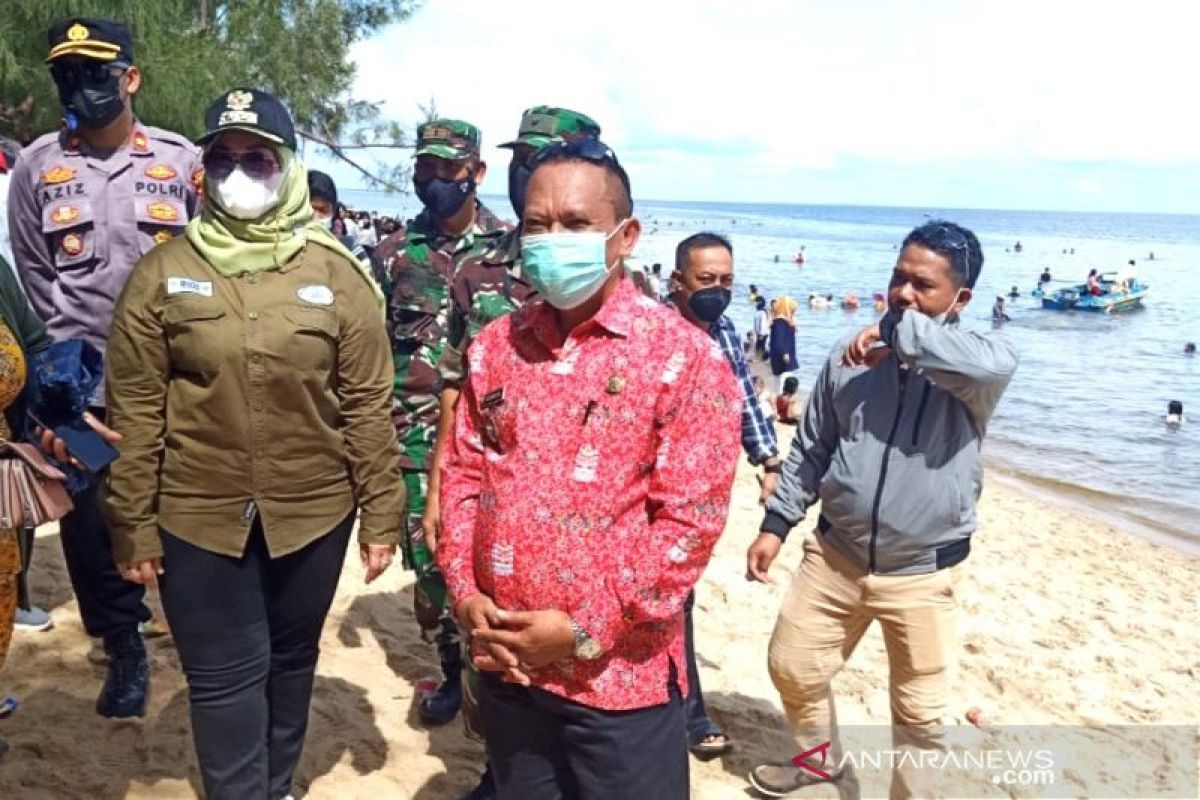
column 542, row 125
column 448, row 138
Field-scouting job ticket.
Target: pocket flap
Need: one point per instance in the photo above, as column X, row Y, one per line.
column 179, row 311
column 313, row 318
column 64, row 214
column 164, row 213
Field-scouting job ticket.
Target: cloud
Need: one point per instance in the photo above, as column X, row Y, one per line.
column 762, row 99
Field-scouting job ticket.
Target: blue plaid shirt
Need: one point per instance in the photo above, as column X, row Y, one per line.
column 758, row 437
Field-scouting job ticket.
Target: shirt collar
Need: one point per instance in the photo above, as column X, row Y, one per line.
column 616, row 315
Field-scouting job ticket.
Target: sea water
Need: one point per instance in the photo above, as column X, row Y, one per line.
column 1083, row 417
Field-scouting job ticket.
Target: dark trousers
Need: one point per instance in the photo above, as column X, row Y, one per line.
column 696, row 716
column 248, row 631
column 108, row 603
column 543, row 747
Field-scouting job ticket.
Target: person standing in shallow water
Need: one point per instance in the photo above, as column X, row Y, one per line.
column 250, row 375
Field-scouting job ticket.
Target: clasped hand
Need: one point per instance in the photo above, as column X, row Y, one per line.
column 515, row 643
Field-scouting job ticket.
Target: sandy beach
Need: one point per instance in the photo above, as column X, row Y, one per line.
column 1066, row 620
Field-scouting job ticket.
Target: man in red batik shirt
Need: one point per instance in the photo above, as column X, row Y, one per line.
column 584, row 489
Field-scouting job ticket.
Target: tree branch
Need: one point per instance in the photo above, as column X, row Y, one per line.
column 336, row 149
column 335, row 146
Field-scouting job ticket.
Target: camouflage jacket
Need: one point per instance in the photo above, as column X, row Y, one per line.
column 418, row 321
column 487, row 285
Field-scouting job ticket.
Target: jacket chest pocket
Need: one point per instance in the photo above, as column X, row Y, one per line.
column 70, row 231
column 312, row 335
column 194, row 335
column 159, row 219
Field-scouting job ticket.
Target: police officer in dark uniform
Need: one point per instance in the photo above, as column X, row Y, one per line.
column 85, row 203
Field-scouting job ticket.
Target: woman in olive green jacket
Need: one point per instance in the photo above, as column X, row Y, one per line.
column 249, row 372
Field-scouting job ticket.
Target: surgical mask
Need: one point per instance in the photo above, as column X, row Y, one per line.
column 444, row 198
column 709, row 304
column 946, row 317
column 566, row 268
column 325, row 222
column 243, row 197
column 518, row 182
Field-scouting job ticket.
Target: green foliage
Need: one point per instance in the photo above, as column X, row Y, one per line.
column 191, row 51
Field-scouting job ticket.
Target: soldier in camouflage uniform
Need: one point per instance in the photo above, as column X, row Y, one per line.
column 448, row 169
column 487, row 285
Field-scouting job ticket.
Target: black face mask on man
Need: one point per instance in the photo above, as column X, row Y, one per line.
column 444, row 198
column 90, row 93
column 709, row 304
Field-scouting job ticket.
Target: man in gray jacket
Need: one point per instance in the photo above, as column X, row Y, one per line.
column 890, row 444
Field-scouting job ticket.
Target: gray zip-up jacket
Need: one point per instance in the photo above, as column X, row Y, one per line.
column 894, row 453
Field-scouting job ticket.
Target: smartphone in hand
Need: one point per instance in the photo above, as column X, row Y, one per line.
column 84, row 444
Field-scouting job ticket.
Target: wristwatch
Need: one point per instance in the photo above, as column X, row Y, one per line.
column 586, row 648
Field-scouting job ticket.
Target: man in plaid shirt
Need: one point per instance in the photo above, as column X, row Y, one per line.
column 701, row 290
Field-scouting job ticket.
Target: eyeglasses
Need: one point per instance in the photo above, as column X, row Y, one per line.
column 257, row 164
column 589, row 148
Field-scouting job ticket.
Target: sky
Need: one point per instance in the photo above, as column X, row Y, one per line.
column 1054, row 104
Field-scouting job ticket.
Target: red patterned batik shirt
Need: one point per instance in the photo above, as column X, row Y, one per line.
column 592, row 476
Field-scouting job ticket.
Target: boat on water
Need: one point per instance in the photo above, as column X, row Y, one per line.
column 1115, row 295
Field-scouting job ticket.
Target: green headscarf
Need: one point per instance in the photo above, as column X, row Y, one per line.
column 236, row 246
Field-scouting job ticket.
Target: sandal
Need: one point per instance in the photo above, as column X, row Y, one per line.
column 710, row 745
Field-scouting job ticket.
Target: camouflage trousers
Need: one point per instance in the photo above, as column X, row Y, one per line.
column 431, row 602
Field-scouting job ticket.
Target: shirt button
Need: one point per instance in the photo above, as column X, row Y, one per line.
column 253, row 315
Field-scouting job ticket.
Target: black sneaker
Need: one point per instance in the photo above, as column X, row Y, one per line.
column 128, row 681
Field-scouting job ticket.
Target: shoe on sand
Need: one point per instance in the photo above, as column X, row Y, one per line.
column 33, row 619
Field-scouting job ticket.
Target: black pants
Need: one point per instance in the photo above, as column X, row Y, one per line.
column 108, row 603
column 695, row 714
column 543, row 747
column 247, row 630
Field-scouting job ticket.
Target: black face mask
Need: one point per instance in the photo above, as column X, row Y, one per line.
column 444, row 198
column 94, row 99
column 518, row 182
column 709, row 304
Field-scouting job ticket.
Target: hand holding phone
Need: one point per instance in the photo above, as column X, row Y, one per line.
column 84, row 442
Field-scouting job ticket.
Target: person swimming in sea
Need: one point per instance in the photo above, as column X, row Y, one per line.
column 1174, row 414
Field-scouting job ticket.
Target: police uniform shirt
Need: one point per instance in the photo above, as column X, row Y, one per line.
column 79, row 221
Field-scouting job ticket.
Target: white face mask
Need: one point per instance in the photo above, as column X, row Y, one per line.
column 946, row 316
column 325, row 222
column 245, row 198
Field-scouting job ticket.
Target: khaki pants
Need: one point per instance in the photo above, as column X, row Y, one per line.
column 827, row 610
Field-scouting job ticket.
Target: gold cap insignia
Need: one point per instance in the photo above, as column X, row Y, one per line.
column 78, row 33
column 59, row 174
column 164, row 212
column 64, row 214
column 160, row 172
column 239, row 100
column 163, row 235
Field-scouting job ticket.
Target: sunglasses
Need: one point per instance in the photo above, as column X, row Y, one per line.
column 588, row 148
column 257, row 164
column 85, row 72
column 954, row 239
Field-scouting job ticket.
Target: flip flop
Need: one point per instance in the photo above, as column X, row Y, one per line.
column 711, row 745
